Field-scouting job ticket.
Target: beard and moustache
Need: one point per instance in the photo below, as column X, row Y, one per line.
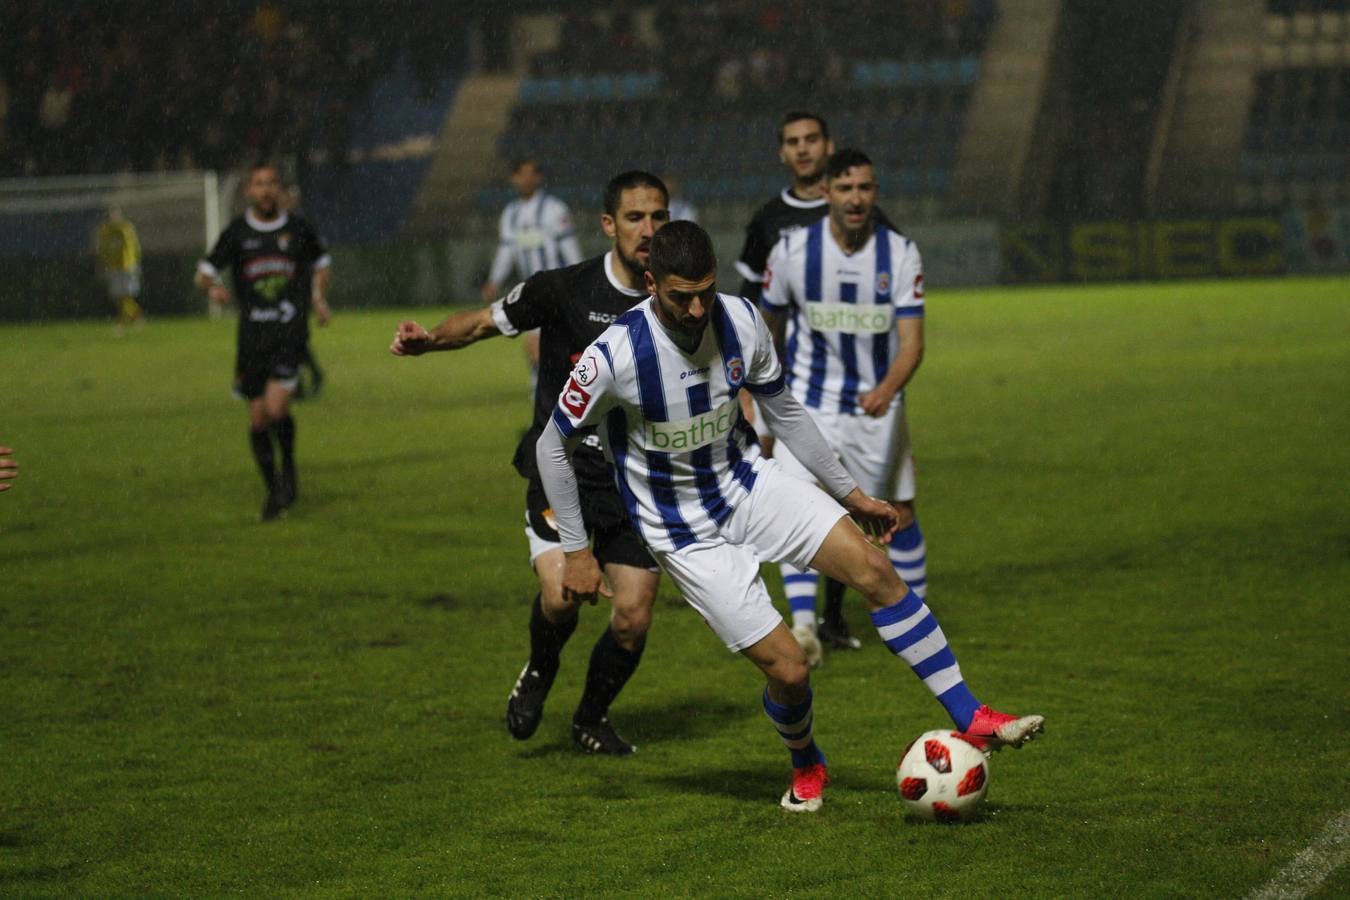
column 635, row 268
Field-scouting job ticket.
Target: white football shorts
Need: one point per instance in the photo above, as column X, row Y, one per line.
column 875, row 451
column 784, row 519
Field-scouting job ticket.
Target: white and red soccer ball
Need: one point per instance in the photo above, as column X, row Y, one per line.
column 942, row 777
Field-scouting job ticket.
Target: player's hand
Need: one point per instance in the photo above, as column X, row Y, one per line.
column 322, row 311
column 877, row 518
column 490, row 291
column 876, row 401
column 410, row 339
column 583, row 582
column 9, row 469
column 218, row 294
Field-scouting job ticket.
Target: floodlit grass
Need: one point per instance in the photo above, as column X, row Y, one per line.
column 1136, row 506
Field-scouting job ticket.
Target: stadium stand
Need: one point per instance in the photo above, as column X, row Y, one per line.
column 98, row 88
column 902, row 90
column 1298, row 123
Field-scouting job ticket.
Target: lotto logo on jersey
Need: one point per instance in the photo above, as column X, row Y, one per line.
column 574, row 399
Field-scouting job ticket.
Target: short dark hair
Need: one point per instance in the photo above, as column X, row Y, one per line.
column 263, row 164
column 798, row 115
column 841, row 161
column 626, row 181
column 682, row 249
column 520, row 162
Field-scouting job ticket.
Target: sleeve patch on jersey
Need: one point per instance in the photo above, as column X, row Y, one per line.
column 514, row 295
column 574, row 399
column 918, row 286
column 735, row 371
column 586, row 371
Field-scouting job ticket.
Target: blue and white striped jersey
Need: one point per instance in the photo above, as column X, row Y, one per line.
column 535, row 235
column 683, row 455
column 842, row 310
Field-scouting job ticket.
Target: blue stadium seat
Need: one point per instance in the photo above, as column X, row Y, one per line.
column 942, row 72
column 968, row 70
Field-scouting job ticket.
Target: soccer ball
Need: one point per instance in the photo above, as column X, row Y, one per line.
column 942, row 777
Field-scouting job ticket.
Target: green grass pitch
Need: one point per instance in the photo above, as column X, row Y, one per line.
column 1135, row 499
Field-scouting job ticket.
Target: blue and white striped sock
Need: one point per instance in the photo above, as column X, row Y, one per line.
column 800, row 588
column 911, row 630
column 794, row 727
column 909, row 555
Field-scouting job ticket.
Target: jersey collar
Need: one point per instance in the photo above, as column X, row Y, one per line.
column 792, row 199
column 618, row 286
column 259, row 225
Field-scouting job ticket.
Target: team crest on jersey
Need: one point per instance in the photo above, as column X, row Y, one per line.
column 883, row 283
column 283, row 241
column 574, row 399
column 586, row 371
column 736, row 371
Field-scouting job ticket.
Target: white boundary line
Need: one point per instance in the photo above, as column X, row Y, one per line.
column 1313, row 865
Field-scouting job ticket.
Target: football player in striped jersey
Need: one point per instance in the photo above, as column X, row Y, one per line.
column 661, row 385
column 844, row 299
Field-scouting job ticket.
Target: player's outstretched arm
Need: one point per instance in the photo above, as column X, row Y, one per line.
column 460, row 330
column 9, row 469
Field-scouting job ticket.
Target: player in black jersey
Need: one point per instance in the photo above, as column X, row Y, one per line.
column 572, row 307
column 281, row 270
column 803, row 146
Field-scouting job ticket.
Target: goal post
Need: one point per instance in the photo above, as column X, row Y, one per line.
column 172, row 211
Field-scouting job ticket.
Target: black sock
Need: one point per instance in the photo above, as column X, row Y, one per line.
column 834, row 601
column 611, row 667
column 261, row 441
column 547, row 640
column 285, row 430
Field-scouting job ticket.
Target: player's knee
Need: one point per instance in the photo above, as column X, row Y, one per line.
column 630, row 623
column 790, row 678
column 877, row 582
column 551, row 601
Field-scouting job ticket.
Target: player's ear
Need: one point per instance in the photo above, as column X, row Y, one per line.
column 607, row 224
column 651, row 282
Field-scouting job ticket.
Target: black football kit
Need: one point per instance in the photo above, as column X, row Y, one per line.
column 273, row 267
column 572, row 307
